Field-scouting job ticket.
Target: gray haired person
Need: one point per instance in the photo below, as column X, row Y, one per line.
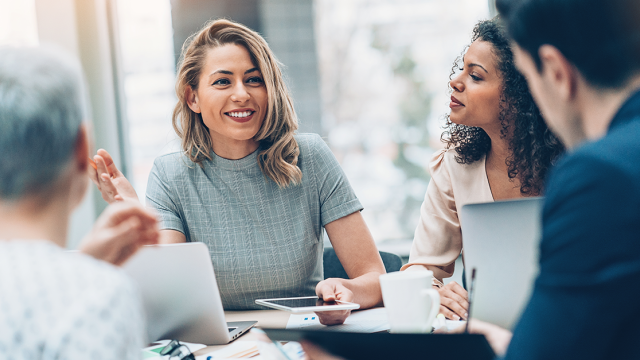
column 56, row 304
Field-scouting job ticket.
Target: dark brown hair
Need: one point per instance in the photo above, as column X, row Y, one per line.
column 534, row 148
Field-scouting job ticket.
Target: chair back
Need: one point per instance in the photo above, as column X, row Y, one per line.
column 334, row 269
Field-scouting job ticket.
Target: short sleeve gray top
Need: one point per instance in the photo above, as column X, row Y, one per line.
column 265, row 241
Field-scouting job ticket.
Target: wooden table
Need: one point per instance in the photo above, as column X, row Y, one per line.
column 266, row 318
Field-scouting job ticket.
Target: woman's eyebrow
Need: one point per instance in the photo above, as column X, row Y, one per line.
column 478, row 65
column 220, row 71
column 227, row 72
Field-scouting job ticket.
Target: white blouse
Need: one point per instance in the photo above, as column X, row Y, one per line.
column 60, row 305
column 437, row 242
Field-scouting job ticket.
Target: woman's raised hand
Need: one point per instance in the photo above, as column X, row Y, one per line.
column 112, row 184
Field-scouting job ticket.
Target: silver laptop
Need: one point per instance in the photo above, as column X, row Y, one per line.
column 181, row 296
column 500, row 240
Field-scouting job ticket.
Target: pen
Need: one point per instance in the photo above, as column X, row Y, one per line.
column 473, row 281
column 93, row 164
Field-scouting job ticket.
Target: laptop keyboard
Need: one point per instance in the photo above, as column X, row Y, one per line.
column 232, row 328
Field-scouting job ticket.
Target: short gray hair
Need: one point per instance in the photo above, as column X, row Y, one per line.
column 41, row 110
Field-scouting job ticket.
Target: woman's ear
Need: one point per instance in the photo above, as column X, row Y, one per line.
column 192, row 99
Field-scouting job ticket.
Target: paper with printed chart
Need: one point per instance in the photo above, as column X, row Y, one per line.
column 365, row 321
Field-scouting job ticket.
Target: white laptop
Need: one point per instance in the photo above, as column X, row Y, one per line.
column 501, row 240
column 181, row 296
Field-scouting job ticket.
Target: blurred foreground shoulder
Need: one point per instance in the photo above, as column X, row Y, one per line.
column 106, row 317
column 66, row 305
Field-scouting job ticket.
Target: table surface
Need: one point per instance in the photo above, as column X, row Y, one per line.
column 266, row 318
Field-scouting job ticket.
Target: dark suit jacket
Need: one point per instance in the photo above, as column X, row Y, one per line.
column 586, row 299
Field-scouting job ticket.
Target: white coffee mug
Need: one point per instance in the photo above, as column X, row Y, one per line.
column 411, row 303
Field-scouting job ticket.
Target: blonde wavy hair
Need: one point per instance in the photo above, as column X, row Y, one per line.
column 279, row 151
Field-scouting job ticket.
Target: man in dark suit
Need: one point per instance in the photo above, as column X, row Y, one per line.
column 582, row 61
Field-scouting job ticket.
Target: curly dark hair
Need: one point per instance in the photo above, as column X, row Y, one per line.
column 534, row 148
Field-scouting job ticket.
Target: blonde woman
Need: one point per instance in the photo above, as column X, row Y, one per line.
column 245, row 185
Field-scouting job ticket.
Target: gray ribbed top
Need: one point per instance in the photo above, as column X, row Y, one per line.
column 264, row 241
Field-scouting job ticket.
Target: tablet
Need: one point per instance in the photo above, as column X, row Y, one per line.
column 306, row 304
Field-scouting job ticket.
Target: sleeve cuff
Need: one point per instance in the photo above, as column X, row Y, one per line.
column 170, row 223
column 340, row 211
column 421, row 267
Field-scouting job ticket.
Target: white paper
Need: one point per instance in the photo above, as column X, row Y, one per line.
column 297, row 321
column 453, row 324
column 365, row 321
column 235, row 350
column 448, row 324
column 252, row 349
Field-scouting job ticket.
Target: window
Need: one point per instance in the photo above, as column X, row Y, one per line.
column 383, row 73
column 384, row 68
column 18, row 26
column 149, row 79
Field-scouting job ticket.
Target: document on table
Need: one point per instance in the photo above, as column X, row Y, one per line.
column 448, row 325
column 235, row 350
column 365, row 321
column 257, row 350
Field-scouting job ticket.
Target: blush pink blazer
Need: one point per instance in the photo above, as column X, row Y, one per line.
column 437, row 242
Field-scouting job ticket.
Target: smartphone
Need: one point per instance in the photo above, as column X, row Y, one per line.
column 306, row 304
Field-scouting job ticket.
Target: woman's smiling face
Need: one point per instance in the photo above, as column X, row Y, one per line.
column 475, row 100
column 231, row 95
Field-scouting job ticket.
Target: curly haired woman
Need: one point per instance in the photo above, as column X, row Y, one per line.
column 497, row 147
column 259, row 196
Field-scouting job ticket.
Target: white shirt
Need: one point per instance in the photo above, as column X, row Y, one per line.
column 60, row 305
